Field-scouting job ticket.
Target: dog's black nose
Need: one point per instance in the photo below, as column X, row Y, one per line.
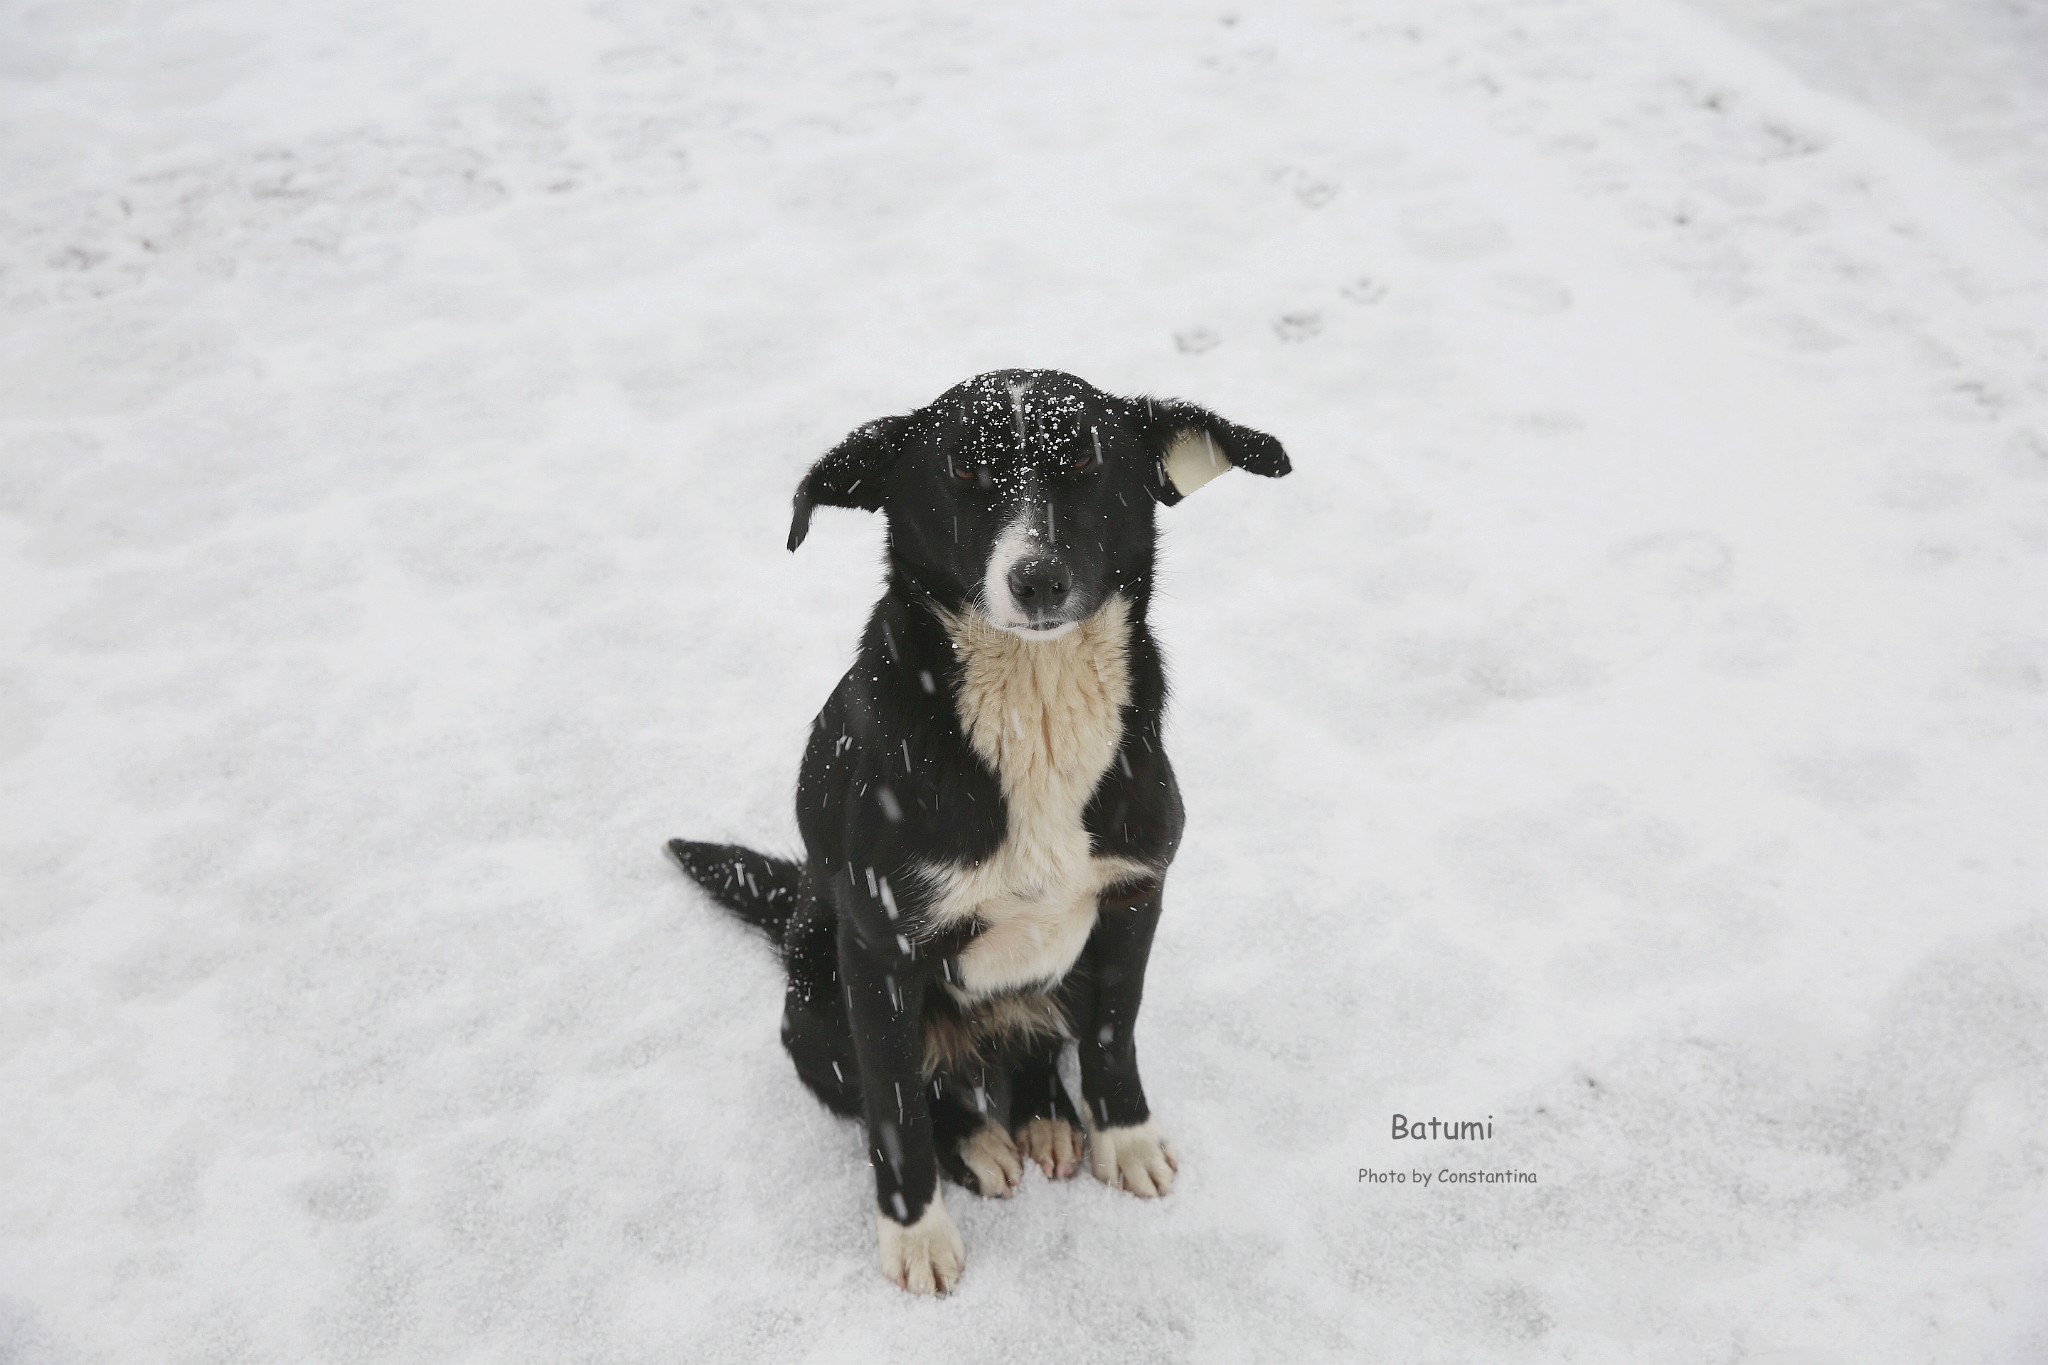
column 1040, row 584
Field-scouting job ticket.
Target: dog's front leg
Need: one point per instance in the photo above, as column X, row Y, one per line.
column 1126, row 1148
column 921, row 1250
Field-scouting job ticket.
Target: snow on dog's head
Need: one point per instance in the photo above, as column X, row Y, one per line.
column 1028, row 494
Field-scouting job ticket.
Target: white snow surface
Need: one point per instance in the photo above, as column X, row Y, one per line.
column 1630, row 722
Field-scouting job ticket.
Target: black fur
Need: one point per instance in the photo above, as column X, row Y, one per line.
column 759, row 889
column 890, row 783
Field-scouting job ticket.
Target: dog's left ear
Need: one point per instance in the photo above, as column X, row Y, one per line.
column 850, row 474
column 1191, row 445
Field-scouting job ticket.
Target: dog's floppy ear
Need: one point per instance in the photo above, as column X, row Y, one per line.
column 1191, row 445
column 850, row 474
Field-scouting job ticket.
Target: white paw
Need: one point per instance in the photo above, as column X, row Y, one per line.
column 927, row 1256
column 993, row 1158
column 1054, row 1144
column 1134, row 1158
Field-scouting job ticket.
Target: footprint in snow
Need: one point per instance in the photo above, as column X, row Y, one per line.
column 1315, row 193
column 1298, row 326
column 1307, row 187
column 1364, row 290
column 1196, row 340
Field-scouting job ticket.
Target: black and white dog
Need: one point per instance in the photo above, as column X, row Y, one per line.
column 986, row 806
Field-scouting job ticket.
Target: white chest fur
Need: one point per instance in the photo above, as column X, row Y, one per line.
column 1046, row 716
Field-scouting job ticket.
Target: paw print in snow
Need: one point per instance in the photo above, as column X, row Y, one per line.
column 1298, row 326
column 1315, row 193
column 1308, row 188
column 1196, row 340
column 1364, row 290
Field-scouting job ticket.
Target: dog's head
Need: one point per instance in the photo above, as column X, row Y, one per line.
column 1029, row 493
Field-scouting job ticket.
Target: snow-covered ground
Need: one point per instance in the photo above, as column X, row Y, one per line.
column 1630, row 722
column 1968, row 74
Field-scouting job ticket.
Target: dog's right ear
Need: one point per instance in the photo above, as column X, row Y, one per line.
column 851, row 473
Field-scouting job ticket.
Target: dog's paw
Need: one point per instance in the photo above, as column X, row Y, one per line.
column 1054, row 1144
column 925, row 1257
column 1136, row 1158
column 992, row 1159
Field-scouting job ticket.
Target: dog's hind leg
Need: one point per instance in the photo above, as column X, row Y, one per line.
column 973, row 1149
column 1042, row 1118
column 815, row 1031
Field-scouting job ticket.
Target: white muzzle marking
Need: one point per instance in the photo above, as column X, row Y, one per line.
column 1020, row 539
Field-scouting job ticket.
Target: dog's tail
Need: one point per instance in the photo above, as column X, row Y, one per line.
column 761, row 890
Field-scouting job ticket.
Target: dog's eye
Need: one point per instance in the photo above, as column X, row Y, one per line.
column 1088, row 456
column 963, row 473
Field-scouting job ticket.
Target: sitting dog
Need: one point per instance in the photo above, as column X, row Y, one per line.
column 986, row 807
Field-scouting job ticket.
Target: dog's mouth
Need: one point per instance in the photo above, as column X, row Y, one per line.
column 1049, row 622
column 1038, row 630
